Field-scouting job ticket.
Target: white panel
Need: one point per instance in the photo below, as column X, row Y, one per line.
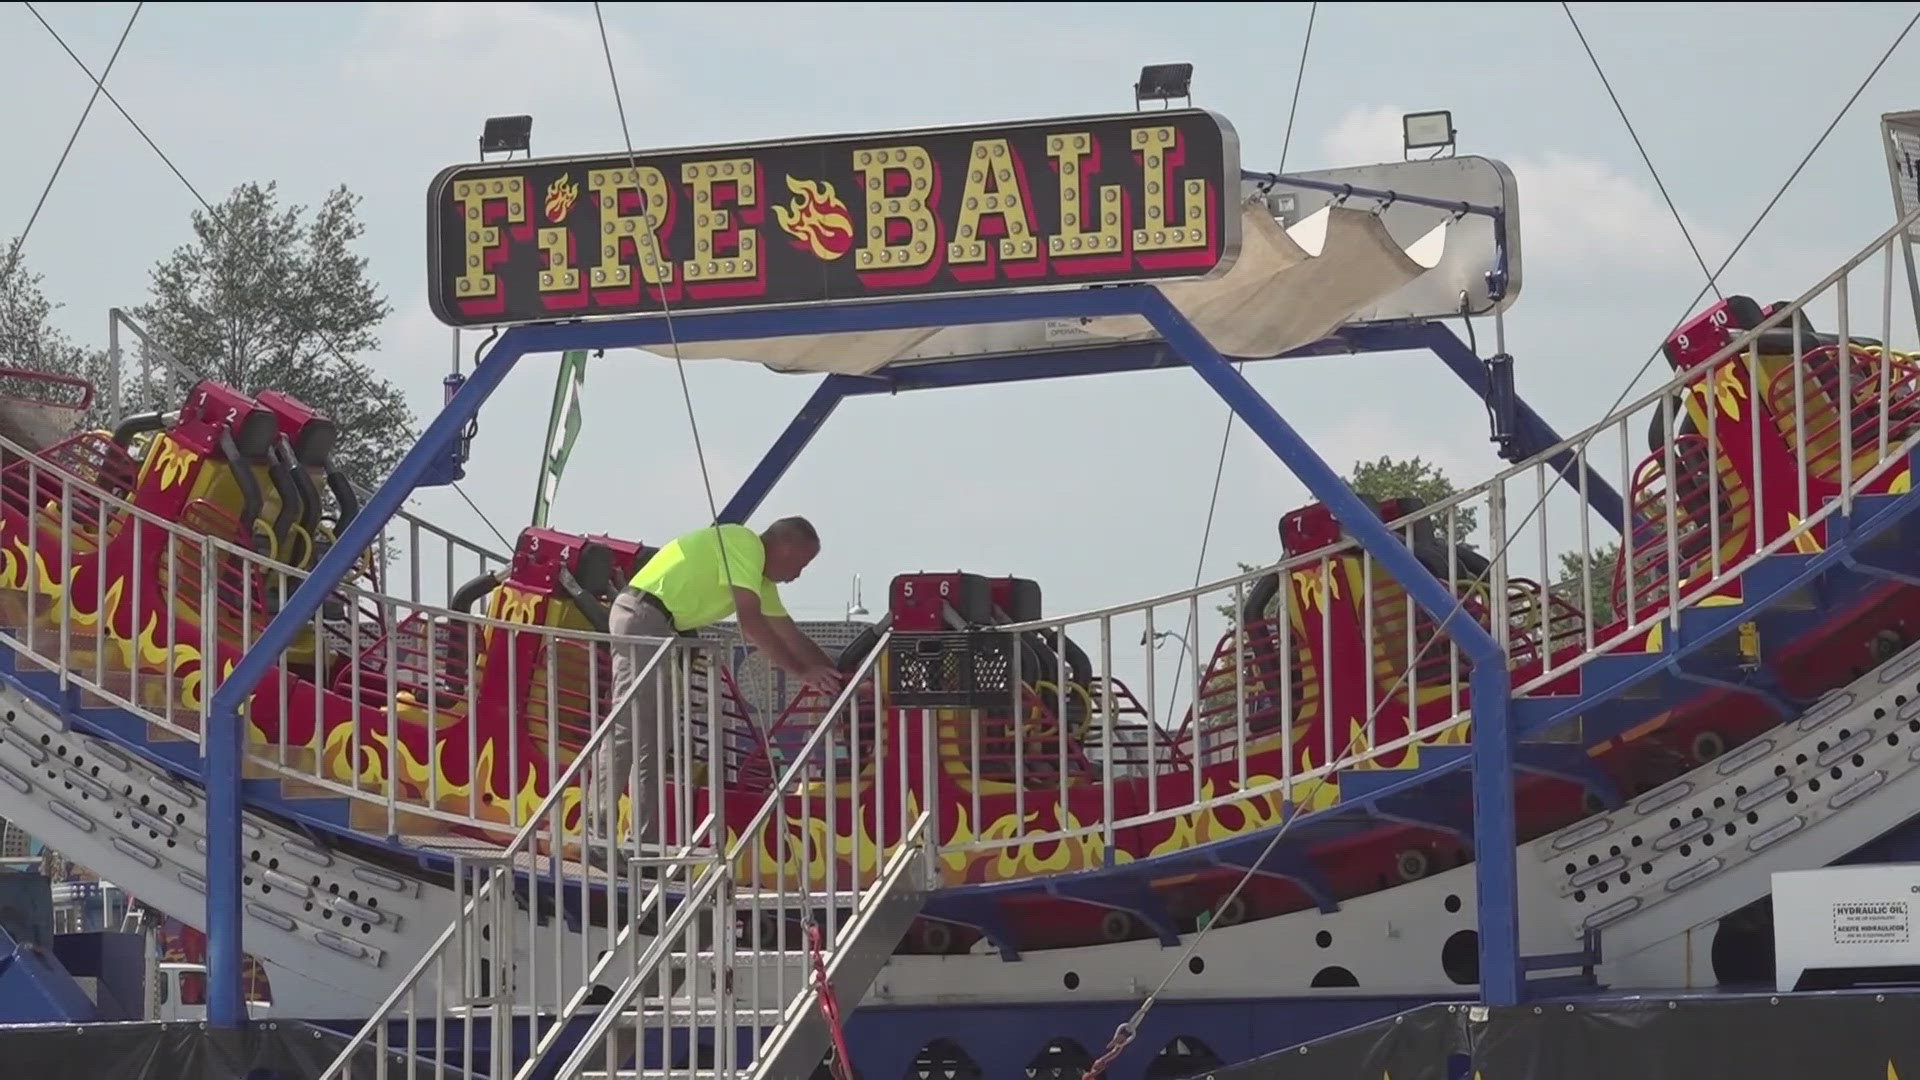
column 1903, row 153
column 1845, row 917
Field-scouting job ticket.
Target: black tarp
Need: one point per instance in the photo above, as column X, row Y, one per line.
column 1841, row 1036
column 265, row 1050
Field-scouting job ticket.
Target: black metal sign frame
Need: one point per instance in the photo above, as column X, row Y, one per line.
column 1061, row 203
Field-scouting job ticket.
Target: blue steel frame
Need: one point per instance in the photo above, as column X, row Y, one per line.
column 1533, row 435
column 1502, row 977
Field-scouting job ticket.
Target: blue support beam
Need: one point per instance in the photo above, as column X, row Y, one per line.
column 1535, row 433
column 1493, row 747
column 225, row 738
column 1106, row 360
column 1501, row 978
column 780, row 456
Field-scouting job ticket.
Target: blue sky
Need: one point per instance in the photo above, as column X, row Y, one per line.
column 1727, row 99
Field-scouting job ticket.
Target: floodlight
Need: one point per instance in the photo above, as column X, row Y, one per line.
column 1428, row 130
column 506, row 134
column 1163, row 82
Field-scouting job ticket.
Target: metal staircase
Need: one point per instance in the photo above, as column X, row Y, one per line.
column 712, row 953
column 1706, row 843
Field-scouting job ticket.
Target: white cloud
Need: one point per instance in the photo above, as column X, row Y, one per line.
column 1577, row 210
column 1364, row 136
column 463, row 56
column 1573, row 210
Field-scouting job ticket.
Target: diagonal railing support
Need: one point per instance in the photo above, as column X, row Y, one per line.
column 225, row 739
column 1494, row 832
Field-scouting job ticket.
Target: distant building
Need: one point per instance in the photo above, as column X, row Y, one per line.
column 765, row 689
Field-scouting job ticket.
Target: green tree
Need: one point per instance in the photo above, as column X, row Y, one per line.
column 1599, row 563
column 1389, row 478
column 264, row 298
column 29, row 341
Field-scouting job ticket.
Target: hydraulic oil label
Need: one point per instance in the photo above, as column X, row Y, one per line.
column 1871, row 922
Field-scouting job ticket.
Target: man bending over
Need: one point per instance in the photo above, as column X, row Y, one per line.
column 697, row 580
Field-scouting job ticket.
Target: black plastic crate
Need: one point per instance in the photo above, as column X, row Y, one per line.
column 968, row 669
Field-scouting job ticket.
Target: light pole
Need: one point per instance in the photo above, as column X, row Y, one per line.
column 1185, row 648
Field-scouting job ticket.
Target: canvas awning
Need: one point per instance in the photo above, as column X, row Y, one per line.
column 1289, row 287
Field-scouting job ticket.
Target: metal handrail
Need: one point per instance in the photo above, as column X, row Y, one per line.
column 1438, row 509
column 210, row 548
column 521, row 844
column 748, row 834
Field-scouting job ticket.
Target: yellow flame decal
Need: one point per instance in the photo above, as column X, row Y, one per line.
column 1727, row 387
column 561, row 195
column 172, row 460
column 515, row 605
column 1307, row 584
column 817, row 218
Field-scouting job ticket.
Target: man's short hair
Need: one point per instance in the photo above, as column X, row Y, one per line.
column 792, row 530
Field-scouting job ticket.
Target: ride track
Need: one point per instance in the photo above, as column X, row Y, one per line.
column 1711, row 557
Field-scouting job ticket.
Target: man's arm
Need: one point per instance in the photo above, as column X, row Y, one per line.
column 758, row 628
column 809, row 663
column 798, row 643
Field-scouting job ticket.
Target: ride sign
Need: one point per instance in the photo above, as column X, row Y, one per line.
column 1037, row 204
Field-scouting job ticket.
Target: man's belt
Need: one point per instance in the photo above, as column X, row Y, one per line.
column 648, row 599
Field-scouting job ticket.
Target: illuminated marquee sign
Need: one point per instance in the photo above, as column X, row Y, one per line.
column 1055, row 203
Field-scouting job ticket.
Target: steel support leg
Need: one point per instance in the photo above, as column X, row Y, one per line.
column 225, row 736
column 1495, row 864
column 780, row 456
column 1535, row 433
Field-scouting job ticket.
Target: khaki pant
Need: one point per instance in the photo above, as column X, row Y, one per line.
column 629, row 759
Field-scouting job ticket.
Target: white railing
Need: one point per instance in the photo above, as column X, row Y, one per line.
column 1285, row 701
column 1290, row 699
column 486, row 963
column 803, row 851
column 510, row 954
column 138, row 566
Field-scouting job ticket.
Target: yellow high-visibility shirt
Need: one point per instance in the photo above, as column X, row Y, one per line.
column 689, row 576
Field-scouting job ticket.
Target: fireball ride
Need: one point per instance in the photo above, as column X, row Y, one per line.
column 1388, row 703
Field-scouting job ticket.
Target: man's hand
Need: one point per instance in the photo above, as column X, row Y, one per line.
column 823, row 677
column 785, row 645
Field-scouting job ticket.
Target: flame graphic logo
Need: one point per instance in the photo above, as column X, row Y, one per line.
column 560, row 198
column 818, row 220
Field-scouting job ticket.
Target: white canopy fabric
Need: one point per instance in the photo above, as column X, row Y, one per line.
column 1289, row 287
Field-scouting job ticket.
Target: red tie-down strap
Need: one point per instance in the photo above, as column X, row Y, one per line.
column 842, row 1065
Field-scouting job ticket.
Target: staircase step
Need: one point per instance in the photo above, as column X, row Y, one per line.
column 1772, row 574
column 705, row 1014
column 1359, row 784
column 1437, row 792
column 662, row 1074
column 795, row 899
column 1699, row 623
column 1629, row 673
column 1866, row 506
column 372, row 817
